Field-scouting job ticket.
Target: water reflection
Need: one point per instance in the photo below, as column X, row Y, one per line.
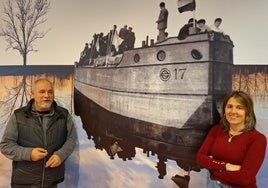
column 96, row 169
column 119, row 137
column 125, row 150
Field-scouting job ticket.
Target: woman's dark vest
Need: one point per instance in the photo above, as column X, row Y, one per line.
column 31, row 134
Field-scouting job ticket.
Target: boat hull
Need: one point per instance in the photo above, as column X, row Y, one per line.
column 189, row 101
column 169, row 93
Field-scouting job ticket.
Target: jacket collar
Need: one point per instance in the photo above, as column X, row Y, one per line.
column 29, row 107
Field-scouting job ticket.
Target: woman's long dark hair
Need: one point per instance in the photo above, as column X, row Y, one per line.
column 247, row 102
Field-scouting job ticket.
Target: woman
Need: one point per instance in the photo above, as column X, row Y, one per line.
column 233, row 151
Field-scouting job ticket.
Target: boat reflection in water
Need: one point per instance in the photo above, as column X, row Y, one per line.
column 119, row 136
column 162, row 98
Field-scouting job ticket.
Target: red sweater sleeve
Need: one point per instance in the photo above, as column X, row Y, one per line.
column 203, row 155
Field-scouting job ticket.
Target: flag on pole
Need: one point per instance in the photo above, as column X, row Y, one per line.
column 97, row 45
column 116, row 40
column 185, row 5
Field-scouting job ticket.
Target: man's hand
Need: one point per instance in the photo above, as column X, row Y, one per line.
column 53, row 161
column 38, row 153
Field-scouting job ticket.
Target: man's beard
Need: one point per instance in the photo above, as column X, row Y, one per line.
column 45, row 105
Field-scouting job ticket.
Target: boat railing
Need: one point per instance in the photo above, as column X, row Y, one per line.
column 115, row 60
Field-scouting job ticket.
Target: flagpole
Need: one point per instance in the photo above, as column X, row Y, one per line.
column 91, row 50
column 108, row 51
column 194, row 16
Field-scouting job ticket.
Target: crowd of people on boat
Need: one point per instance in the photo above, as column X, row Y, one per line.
column 193, row 26
column 111, row 44
column 198, row 26
column 115, row 42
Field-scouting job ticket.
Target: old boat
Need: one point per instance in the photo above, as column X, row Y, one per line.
column 163, row 96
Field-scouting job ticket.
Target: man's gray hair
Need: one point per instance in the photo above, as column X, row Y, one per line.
column 40, row 80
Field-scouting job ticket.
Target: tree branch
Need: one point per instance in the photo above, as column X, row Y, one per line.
column 22, row 19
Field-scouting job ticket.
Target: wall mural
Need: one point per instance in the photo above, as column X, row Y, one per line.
column 141, row 112
column 114, row 150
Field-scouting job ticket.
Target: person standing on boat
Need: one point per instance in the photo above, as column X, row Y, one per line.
column 38, row 138
column 84, row 55
column 162, row 22
column 130, row 39
column 234, row 151
column 123, row 32
column 201, row 24
column 102, row 45
column 185, row 30
column 216, row 26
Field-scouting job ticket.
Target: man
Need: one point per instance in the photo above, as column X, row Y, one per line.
column 130, row 39
column 162, row 22
column 38, row 138
column 201, row 24
column 84, row 55
column 185, row 30
column 123, row 34
column 216, row 26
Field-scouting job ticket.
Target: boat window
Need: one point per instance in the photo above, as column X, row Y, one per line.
column 196, row 54
column 161, row 55
column 137, row 58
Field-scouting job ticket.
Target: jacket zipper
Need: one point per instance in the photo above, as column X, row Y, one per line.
column 43, row 173
column 45, row 147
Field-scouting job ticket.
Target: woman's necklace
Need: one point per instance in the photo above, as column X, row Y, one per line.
column 230, row 137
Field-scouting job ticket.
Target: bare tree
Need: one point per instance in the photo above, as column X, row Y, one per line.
column 21, row 21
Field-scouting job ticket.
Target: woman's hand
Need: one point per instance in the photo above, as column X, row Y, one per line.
column 232, row 167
